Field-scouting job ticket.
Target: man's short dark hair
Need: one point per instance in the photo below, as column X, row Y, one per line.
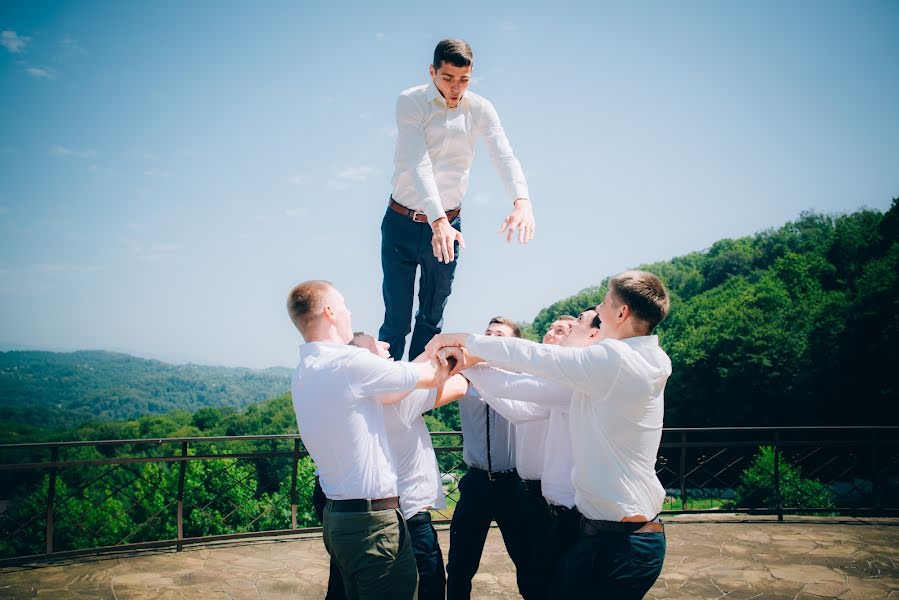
column 453, row 51
column 499, row 320
column 644, row 294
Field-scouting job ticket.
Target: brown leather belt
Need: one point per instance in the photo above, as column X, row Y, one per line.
column 363, row 505
column 591, row 527
column 420, row 217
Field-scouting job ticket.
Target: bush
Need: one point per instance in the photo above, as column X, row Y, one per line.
column 756, row 488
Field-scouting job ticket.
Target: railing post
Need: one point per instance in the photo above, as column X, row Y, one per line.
column 878, row 483
column 181, row 471
column 51, row 499
column 778, row 499
column 683, row 470
column 293, row 484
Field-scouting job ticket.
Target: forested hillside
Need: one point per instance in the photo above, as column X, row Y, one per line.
column 62, row 390
column 791, row 326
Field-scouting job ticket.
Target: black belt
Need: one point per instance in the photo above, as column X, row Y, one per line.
column 420, row 217
column 495, row 475
column 591, row 527
column 560, row 511
column 419, row 518
column 532, row 486
column 363, row 505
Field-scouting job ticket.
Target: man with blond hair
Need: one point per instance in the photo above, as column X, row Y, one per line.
column 617, row 405
column 339, row 392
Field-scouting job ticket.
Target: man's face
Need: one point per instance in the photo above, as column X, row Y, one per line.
column 583, row 332
column 500, row 330
column 452, row 81
column 369, row 343
column 557, row 332
column 609, row 310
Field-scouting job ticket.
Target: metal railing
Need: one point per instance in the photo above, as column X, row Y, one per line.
column 69, row 498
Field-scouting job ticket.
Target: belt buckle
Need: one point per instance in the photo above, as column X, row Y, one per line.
column 415, row 214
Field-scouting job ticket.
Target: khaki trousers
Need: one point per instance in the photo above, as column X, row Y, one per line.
column 374, row 553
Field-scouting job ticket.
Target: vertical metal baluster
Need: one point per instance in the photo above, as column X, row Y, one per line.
column 293, row 484
column 51, row 498
column 683, row 470
column 778, row 499
column 181, row 469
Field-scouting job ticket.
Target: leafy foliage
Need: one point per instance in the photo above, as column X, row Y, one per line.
column 757, row 487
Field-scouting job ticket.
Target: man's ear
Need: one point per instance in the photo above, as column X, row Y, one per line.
column 432, row 71
column 328, row 312
column 624, row 311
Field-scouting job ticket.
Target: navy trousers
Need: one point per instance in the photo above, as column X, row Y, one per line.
column 610, row 565
column 428, row 557
column 406, row 248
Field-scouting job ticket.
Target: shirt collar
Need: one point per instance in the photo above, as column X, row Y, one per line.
column 434, row 94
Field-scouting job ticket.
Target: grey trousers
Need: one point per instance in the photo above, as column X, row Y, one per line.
column 374, row 553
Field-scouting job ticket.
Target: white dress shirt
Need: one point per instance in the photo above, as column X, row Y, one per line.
column 530, row 421
column 418, row 476
column 337, row 391
column 615, row 420
column 435, row 147
column 518, row 392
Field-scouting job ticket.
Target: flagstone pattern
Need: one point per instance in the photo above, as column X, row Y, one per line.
column 721, row 557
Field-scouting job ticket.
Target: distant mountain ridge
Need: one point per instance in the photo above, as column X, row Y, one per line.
column 59, row 390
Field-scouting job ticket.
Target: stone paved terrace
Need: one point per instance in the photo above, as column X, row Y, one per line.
column 724, row 557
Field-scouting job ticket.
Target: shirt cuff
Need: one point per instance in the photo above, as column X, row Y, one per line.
column 520, row 191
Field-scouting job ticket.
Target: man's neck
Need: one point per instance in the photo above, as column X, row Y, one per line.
column 327, row 335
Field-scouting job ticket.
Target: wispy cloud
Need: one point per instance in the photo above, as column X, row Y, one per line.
column 365, row 115
column 294, row 212
column 156, row 252
column 296, row 179
column 12, row 41
column 4, row 210
column 154, row 172
column 391, row 132
column 64, row 268
column 508, row 26
column 357, row 174
column 481, row 198
column 379, row 36
column 71, row 47
column 66, row 152
column 338, row 186
column 41, row 72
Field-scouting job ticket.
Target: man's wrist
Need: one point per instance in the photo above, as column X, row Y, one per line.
column 522, row 200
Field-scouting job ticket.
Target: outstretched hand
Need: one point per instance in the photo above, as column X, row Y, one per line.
column 522, row 219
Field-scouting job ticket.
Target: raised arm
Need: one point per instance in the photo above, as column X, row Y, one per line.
column 522, row 216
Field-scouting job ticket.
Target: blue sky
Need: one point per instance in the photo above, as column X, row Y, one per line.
column 168, row 170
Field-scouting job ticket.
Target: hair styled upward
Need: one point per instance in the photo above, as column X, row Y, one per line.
column 453, row 51
column 644, row 294
column 306, row 301
column 500, row 320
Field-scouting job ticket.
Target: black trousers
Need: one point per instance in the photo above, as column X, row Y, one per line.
column 531, row 512
column 554, row 536
column 425, row 547
column 480, row 502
